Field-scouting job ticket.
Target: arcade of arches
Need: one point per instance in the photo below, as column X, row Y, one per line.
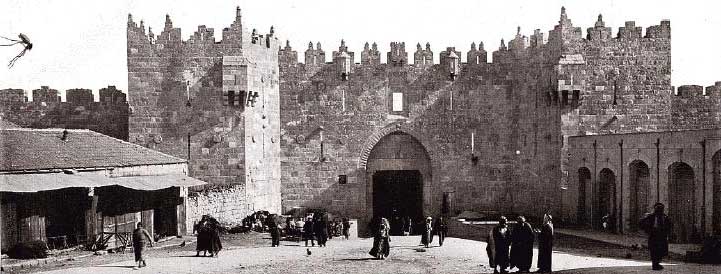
column 622, row 176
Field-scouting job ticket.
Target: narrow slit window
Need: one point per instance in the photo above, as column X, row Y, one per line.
column 564, row 98
column 231, row 98
column 397, row 101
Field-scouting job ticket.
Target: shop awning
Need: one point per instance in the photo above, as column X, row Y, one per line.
column 34, row 182
column 156, row 182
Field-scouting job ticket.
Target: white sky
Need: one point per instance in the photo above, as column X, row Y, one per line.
column 81, row 44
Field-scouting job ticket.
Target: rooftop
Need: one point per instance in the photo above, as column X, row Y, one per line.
column 44, row 149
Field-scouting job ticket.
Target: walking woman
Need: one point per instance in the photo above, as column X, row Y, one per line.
column 545, row 244
column 381, row 240
column 501, row 242
column 427, row 236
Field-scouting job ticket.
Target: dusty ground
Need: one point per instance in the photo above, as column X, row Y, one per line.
column 253, row 255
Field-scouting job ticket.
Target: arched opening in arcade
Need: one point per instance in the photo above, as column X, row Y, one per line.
column 606, row 199
column 638, row 177
column 584, row 178
column 681, row 207
column 398, row 168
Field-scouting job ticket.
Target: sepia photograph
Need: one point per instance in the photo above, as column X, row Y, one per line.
column 370, row 137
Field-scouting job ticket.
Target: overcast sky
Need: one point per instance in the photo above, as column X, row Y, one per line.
column 81, row 44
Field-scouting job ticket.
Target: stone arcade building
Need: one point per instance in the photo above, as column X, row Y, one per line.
column 367, row 138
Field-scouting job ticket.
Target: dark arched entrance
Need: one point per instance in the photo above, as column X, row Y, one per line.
column 638, row 173
column 716, row 162
column 681, row 208
column 584, row 177
column 398, row 167
column 606, row 198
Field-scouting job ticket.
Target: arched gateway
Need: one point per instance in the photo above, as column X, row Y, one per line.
column 398, row 170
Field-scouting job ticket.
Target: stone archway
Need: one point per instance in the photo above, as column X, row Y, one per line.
column 716, row 162
column 606, row 198
column 398, row 172
column 638, row 176
column 584, row 177
column 681, row 207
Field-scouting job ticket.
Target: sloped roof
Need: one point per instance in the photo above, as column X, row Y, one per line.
column 40, row 149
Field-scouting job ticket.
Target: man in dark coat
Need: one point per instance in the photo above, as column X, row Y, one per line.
column 274, row 230
column 308, row 232
column 501, row 241
column 441, row 229
column 346, row 228
column 658, row 226
column 545, row 244
column 522, row 245
column 321, row 229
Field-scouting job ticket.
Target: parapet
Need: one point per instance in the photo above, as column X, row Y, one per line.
column 445, row 56
column 687, row 91
column 79, row 96
column 170, row 42
column 343, row 49
column 371, row 56
column 714, row 90
column 287, row 56
column 423, row 57
column 314, row 57
column 111, row 95
column 11, row 95
column 46, row 94
column 477, row 56
column 398, row 55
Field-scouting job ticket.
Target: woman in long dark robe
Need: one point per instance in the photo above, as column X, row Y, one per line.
column 545, row 244
column 522, row 245
column 381, row 240
column 501, row 241
column 427, row 236
column 214, row 245
column 203, row 237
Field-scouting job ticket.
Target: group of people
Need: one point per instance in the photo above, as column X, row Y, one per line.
column 430, row 228
column 208, row 239
column 513, row 247
column 508, row 247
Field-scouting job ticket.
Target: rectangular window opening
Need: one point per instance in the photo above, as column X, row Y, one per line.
column 397, row 101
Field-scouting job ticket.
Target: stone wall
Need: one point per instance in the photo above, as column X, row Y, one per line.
column 214, row 103
column 107, row 117
column 503, row 105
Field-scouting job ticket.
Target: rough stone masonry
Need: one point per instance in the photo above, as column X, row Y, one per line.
column 270, row 133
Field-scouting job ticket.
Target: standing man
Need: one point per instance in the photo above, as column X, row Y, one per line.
column 501, row 242
column 658, row 226
column 308, row 231
column 274, row 230
column 522, row 245
column 441, row 229
column 321, row 229
column 346, row 228
column 545, row 244
column 139, row 236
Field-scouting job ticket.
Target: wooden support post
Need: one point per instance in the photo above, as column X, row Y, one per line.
column 91, row 219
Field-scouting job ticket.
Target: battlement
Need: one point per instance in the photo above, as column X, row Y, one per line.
column 698, row 91
column 76, row 96
column 203, row 42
